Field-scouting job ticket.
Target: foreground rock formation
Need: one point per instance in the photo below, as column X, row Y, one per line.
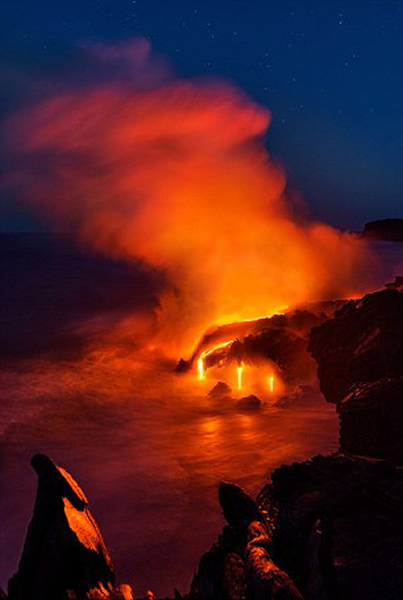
column 330, row 528
column 64, row 555
column 240, row 564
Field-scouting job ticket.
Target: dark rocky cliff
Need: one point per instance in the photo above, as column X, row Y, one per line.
column 359, row 353
column 390, row 230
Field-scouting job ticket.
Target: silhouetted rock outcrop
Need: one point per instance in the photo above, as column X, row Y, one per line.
column 397, row 284
column 360, row 367
column 220, row 391
column 338, row 527
column 240, row 564
column 64, row 554
column 363, row 342
column 371, row 420
column 390, row 230
column 329, row 528
column 249, row 403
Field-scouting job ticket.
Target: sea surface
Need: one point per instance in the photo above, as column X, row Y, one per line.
column 148, row 448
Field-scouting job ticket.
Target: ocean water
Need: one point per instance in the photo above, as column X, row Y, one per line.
column 148, row 447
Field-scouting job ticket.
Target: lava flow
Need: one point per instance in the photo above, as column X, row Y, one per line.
column 239, row 371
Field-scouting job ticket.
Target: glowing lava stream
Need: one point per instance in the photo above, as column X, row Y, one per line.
column 239, row 376
column 200, row 367
column 200, row 361
column 239, row 370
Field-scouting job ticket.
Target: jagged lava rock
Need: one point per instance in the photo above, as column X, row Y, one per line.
column 360, row 367
column 397, row 284
column 338, row 527
column 363, row 342
column 371, row 420
column 239, row 564
column 64, row 554
column 249, row 403
column 220, row 391
column 238, row 507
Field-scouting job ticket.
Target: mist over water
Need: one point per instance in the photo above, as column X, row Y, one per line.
column 148, row 447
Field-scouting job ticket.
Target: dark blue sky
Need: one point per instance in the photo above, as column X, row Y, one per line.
column 330, row 71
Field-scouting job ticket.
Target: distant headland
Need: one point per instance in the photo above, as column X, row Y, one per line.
column 389, row 230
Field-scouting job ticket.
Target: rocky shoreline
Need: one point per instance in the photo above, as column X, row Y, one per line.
column 325, row 529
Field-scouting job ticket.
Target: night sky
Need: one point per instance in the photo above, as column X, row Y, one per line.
column 330, row 71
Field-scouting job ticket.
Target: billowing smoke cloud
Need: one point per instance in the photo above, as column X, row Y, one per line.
column 177, row 175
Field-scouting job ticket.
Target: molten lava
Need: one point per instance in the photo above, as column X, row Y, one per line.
column 239, row 371
column 200, row 366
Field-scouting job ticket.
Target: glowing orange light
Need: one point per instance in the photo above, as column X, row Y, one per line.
column 215, row 347
column 200, row 361
column 271, row 383
column 200, row 367
column 239, row 375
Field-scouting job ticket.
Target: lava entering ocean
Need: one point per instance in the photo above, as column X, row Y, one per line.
column 177, row 174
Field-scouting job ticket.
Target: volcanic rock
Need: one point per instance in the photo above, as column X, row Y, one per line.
column 390, row 230
column 183, row 366
column 239, row 565
column 397, row 284
column 251, row 402
column 123, row 592
column 302, row 396
column 64, row 554
column 371, row 420
column 238, row 507
column 338, row 527
column 220, row 390
column 288, row 350
column 360, row 367
column 362, row 343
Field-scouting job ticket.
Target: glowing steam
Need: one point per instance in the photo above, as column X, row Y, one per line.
column 179, row 177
